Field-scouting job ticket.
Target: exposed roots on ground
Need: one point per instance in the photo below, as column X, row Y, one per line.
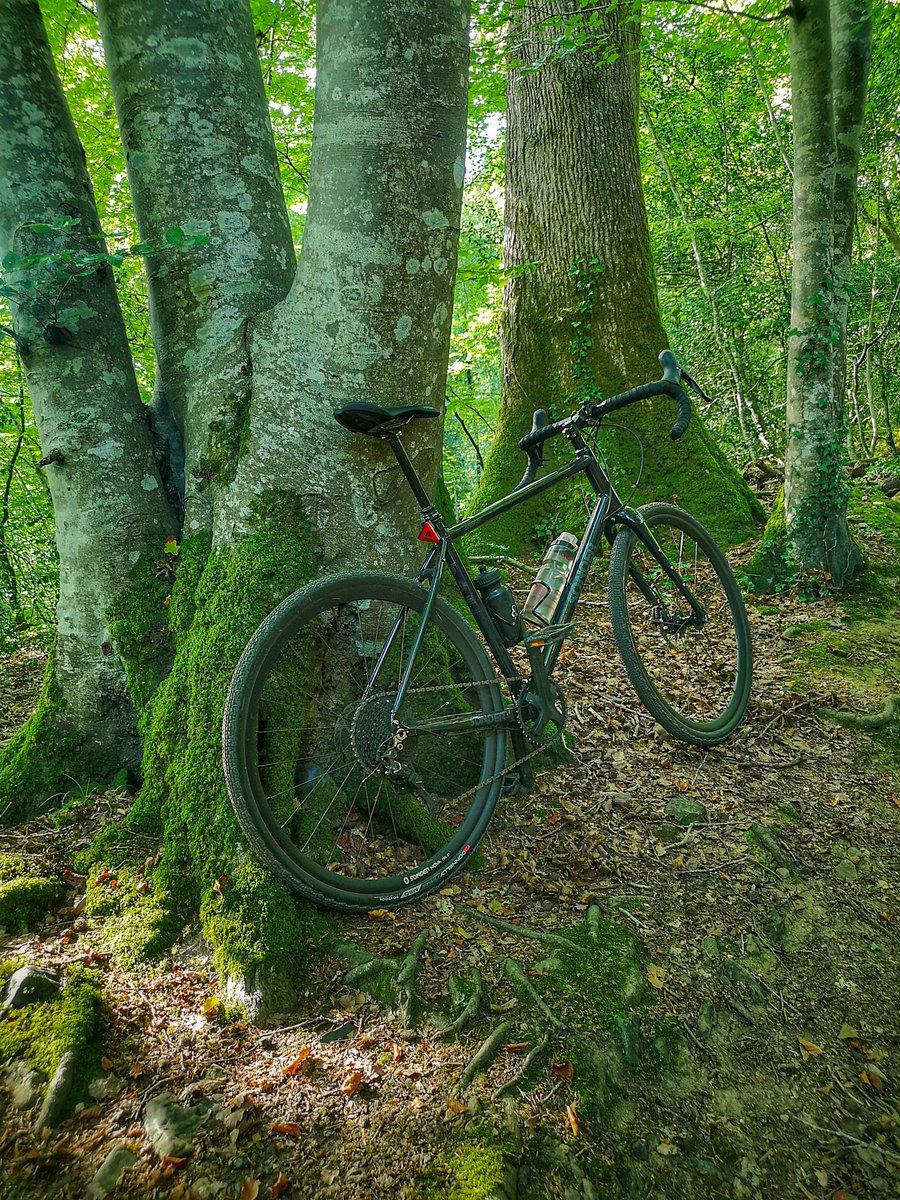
column 888, row 712
column 397, row 975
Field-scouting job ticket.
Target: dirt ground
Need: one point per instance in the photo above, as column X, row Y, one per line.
column 767, row 936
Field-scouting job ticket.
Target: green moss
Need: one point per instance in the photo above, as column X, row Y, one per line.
column 472, row 1170
column 140, row 925
column 770, row 569
column 603, row 981
column 45, row 759
column 218, row 599
column 139, row 625
column 43, row 1033
column 24, row 901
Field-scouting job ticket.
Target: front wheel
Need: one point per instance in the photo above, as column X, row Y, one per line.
column 680, row 625
column 352, row 807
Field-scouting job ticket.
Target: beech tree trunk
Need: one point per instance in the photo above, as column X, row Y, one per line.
column 580, row 316
column 287, row 494
column 108, row 497
column 195, row 127
column 829, row 56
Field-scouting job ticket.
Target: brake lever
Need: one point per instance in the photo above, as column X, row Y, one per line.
column 695, row 386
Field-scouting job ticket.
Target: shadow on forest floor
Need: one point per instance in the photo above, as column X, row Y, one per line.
column 701, row 944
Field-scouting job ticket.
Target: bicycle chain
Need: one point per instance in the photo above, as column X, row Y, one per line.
column 443, row 687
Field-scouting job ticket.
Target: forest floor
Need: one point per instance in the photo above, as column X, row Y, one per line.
column 764, row 926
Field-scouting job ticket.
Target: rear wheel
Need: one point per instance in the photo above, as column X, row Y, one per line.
column 353, row 810
column 693, row 674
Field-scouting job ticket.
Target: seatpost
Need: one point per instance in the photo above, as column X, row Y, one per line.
column 409, row 471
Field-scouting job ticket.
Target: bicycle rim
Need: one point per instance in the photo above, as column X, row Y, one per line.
column 308, row 729
column 694, row 678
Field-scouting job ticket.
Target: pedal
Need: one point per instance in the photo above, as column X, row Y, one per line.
column 549, row 635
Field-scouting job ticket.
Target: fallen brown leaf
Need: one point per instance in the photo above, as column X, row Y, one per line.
column 249, row 1189
column 289, row 1128
column 350, row 1086
column 280, row 1186
column 292, row 1068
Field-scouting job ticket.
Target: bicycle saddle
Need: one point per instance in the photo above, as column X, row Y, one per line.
column 364, row 417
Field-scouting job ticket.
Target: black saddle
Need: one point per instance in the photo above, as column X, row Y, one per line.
column 363, row 417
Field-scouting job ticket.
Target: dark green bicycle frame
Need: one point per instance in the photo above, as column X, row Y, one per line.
column 606, row 516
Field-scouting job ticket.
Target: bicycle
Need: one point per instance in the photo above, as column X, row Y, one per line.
column 367, row 725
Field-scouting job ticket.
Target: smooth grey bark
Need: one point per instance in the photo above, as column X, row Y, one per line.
column 815, row 496
column 107, row 492
column 368, row 316
column 195, row 126
column 579, row 305
column 851, row 37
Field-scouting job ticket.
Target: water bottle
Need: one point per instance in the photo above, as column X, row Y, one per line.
column 550, row 580
column 501, row 604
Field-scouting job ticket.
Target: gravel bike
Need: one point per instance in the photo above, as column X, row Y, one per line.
column 372, row 722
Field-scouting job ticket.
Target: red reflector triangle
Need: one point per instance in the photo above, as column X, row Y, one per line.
column 429, row 533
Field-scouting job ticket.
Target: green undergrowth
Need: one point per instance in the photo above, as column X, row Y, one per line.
column 218, row 598
column 471, row 1170
column 25, row 895
column 855, row 650
column 42, row 1033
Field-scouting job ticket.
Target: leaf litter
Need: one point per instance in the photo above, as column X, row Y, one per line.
column 782, row 976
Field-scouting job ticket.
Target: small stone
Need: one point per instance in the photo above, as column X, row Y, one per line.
column 475, row 1106
column 24, row 1084
column 26, row 986
column 208, row 1189
column 171, row 1128
column 846, row 871
column 119, row 1159
column 685, row 811
column 215, row 1072
column 711, row 947
column 105, row 1087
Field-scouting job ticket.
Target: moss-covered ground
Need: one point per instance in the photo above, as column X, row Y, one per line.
column 214, row 602
column 25, row 892
column 41, row 1033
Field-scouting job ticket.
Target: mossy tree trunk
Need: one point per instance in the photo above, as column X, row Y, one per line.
column 110, row 505
column 195, row 127
column 830, row 45
column 367, row 317
column 580, row 315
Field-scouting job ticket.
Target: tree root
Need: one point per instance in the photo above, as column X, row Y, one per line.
column 539, row 935
column 469, row 1012
column 517, row 1080
column 768, row 842
column 889, row 711
column 516, row 975
column 404, row 969
column 486, row 1052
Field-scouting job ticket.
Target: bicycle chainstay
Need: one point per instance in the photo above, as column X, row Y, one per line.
column 544, row 746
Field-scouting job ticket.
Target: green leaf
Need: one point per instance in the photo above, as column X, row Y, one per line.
column 11, row 261
column 41, row 227
column 174, row 236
